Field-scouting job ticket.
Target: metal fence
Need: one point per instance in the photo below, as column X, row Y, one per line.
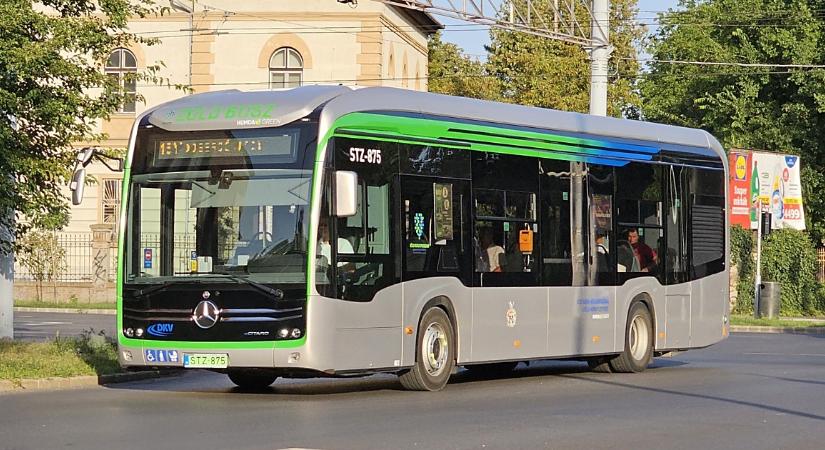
column 820, row 259
column 78, row 264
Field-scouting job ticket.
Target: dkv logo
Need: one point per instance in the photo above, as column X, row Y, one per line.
column 161, row 329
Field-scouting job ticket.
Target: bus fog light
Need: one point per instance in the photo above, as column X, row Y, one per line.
column 294, row 357
column 283, row 332
column 296, row 333
column 129, row 332
column 127, row 355
column 139, row 332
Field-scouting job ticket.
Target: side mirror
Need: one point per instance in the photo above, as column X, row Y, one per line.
column 85, row 155
column 346, row 194
column 77, row 185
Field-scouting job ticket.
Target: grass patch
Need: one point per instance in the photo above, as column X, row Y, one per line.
column 90, row 354
column 746, row 320
column 64, row 305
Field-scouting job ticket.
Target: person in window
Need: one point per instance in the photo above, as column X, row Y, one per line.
column 324, row 248
column 602, row 255
column 644, row 254
column 493, row 250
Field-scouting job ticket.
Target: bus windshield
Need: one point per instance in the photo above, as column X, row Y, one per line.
column 249, row 222
column 219, row 204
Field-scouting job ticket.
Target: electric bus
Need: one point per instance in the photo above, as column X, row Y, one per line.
column 333, row 231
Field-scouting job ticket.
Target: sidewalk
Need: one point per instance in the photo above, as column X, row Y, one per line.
column 65, row 310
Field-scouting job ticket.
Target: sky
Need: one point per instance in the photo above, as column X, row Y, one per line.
column 472, row 38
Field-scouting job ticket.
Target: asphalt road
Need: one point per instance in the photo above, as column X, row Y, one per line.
column 42, row 326
column 753, row 391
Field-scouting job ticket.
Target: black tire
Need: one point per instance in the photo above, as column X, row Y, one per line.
column 493, row 370
column 600, row 364
column 638, row 341
column 434, row 350
column 252, row 379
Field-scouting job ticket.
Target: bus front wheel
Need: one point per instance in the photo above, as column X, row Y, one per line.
column 252, row 379
column 434, row 360
column 638, row 341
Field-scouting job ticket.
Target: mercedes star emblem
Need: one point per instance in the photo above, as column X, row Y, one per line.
column 206, row 314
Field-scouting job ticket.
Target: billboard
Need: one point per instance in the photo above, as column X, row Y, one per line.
column 767, row 180
column 741, row 203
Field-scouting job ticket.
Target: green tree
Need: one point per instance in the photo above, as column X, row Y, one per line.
column 52, row 92
column 452, row 73
column 543, row 72
column 774, row 107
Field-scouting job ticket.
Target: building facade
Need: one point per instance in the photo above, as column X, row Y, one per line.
column 249, row 45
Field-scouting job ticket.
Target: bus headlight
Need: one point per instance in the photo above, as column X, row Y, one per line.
column 283, row 332
column 139, row 332
column 296, row 333
column 129, row 332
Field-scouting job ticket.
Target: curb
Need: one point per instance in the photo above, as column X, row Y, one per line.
column 83, row 381
column 776, row 330
column 65, row 310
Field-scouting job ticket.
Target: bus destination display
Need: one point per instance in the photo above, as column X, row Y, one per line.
column 224, row 147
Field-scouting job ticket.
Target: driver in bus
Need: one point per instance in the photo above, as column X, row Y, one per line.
column 324, row 248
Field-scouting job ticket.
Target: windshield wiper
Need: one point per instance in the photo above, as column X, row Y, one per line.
column 276, row 293
column 148, row 290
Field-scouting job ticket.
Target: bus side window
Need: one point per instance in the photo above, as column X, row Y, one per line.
column 364, row 258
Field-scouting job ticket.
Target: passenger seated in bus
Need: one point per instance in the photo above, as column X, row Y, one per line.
column 627, row 262
column 492, row 249
column 645, row 255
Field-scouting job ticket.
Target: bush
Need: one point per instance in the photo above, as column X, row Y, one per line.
column 43, row 256
column 741, row 251
column 788, row 257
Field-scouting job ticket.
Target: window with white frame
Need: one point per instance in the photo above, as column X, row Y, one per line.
column 122, row 66
column 286, row 68
column 110, row 189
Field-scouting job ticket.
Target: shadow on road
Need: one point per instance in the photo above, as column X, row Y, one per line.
column 604, row 381
column 205, row 382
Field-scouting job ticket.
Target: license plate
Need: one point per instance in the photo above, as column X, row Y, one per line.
column 206, row 360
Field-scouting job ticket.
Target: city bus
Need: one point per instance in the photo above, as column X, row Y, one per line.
column 336, row 231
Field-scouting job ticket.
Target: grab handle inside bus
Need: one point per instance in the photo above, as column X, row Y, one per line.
column 346, row 193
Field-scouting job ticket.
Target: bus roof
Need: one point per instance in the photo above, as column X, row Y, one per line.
column 261, row 109
column 462, row 108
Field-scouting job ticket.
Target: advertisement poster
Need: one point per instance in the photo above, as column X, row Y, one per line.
column 741, row 202
column 778, row 187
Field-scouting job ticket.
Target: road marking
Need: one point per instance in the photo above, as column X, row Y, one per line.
column 786, row 354
column 45, row 324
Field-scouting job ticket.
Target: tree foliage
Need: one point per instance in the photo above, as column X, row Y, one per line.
column 452, row 73
column 777, row 107
column 539, row 71
column 52, row 93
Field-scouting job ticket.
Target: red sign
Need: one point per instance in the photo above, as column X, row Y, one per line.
column 740, row 189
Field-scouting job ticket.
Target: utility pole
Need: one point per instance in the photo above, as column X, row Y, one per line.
column 7, row 281
column 599, row 56
column 7, row 269
column 584, row 272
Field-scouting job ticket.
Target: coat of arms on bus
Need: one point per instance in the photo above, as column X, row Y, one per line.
column 511, row 315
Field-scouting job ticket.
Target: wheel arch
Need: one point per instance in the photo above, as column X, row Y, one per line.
column 443, row 302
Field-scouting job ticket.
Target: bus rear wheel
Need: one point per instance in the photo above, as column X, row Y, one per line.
column 638, row 341
column 434, row 360
column 251, row 379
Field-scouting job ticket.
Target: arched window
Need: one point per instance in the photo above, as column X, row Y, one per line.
column 120, row 63
column 286, row 68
